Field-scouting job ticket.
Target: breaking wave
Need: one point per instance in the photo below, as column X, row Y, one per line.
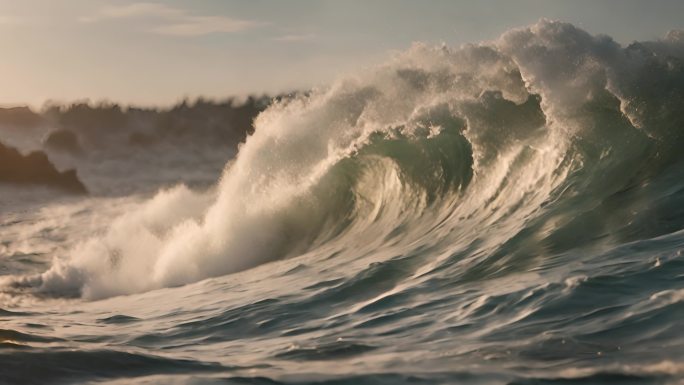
column 495, row 157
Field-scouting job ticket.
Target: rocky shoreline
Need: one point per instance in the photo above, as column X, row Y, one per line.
column 36, row 169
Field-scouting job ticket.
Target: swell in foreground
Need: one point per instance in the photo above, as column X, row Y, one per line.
column 508, row 211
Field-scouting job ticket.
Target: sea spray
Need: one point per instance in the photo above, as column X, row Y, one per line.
column 512, row 144
column 506, row 212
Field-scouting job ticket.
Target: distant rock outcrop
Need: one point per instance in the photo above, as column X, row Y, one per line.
column 20, row 117
column 35, row 168
column 141, row 140
column 63, row 140
column 205, row 122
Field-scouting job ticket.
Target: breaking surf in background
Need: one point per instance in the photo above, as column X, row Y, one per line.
column 502, row 212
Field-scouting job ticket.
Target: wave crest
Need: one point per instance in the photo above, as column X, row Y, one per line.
column 512, row 145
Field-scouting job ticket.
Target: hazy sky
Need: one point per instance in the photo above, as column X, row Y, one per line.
column 156, row 52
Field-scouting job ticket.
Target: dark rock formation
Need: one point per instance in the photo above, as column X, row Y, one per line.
column 20, row 117
column 107, row 125
column 141, row 140
column 63, row 140
column 35, row 168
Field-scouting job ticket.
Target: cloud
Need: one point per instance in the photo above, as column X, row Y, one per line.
column 133, row 11
column 203, row 25
column 172, row 21
column 296, row 38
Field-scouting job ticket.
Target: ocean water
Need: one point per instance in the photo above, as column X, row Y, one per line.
column 506, row 212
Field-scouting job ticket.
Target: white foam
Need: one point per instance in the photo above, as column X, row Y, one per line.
column 264, row 207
